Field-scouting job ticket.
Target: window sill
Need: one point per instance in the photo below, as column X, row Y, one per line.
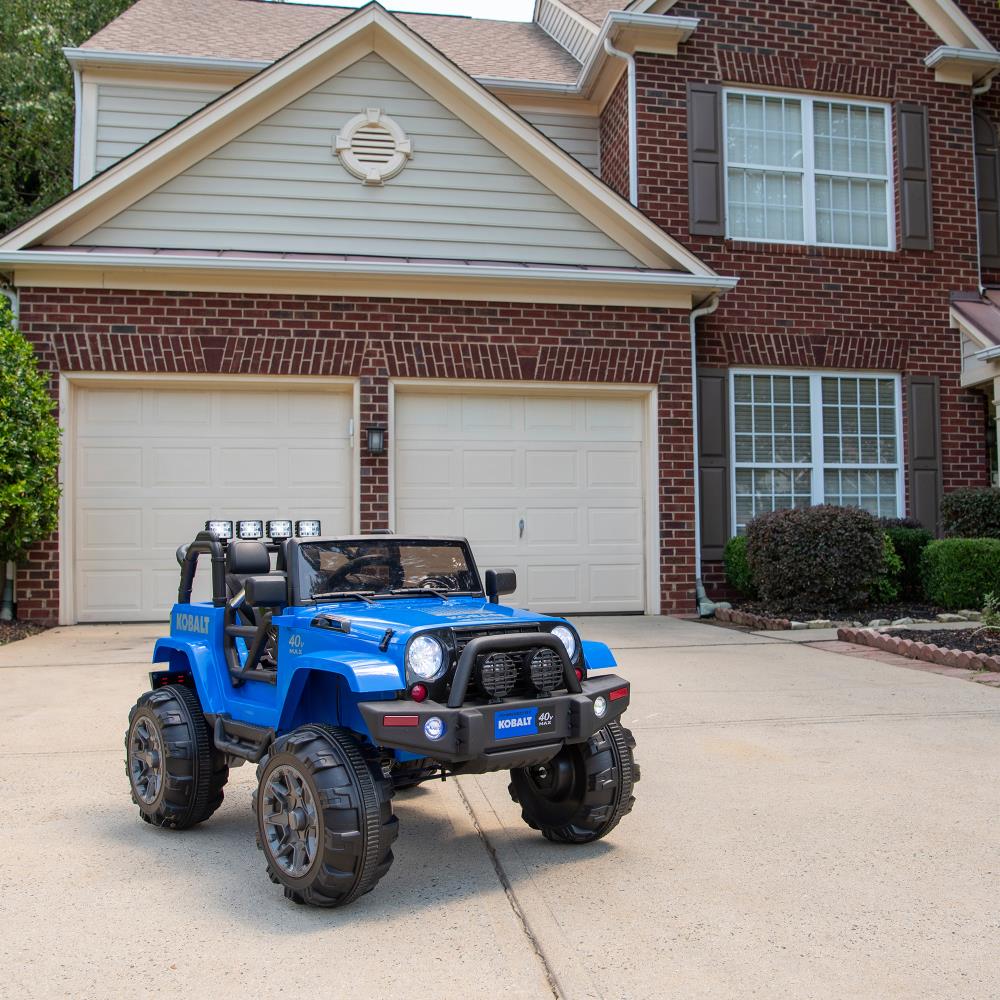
column 806, row 250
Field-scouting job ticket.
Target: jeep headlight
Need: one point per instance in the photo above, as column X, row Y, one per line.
column 425, row 658
column 566, row 637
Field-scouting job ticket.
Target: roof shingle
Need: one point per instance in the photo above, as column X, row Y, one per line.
column 259, row 30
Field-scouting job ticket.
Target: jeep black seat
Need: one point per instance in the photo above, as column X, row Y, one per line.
column 243, row 559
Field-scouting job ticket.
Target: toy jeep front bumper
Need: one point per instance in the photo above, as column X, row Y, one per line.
column 515, row 733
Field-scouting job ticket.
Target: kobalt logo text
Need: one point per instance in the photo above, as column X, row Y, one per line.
column 515, row 723
column 192, row 623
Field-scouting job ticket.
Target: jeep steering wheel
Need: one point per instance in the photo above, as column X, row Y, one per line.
column 354, row 568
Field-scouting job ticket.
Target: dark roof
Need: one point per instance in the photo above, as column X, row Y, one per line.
column 264, row 31
column 981, row 312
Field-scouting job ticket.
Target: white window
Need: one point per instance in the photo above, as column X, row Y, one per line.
column 800, row 439
column 808, row 170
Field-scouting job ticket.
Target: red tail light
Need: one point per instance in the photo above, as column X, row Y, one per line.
column 400, row 720
column 579, row 674
column 618, row 693
column 418, row 692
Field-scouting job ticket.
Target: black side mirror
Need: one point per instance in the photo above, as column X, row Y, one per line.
column 500, row 582
column 266, row 591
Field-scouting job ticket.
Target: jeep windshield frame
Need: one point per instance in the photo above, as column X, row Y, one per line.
column 377, row 565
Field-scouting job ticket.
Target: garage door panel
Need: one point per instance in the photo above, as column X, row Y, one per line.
column 614, row 470
column 570, row 467
column 180, row 467
column 101, row 467
column 148, row 477
column 488, row 468
column 551, row 468
column 114, row 528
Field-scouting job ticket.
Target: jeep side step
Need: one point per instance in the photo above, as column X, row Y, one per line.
column 241, row 739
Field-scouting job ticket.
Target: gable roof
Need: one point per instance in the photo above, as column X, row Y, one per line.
column 264, row 31
column 369, row 29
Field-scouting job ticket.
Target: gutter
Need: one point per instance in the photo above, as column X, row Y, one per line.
column 84, row 58
column 633, row 124
column 519, row 272
column 706, row 608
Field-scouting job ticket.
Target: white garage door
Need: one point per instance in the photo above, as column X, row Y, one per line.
column 153, row 464
column 549, row 485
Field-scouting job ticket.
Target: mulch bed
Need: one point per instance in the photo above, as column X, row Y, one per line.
column 975, row 640
column 904, row 609
column 966, row 649
column 12, row 631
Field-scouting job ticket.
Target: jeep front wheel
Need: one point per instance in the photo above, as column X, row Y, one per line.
column 175, row 773
column 324, row 816
column 582, row 793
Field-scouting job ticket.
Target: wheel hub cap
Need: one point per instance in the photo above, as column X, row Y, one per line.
column 145, row 760
column 290, row 820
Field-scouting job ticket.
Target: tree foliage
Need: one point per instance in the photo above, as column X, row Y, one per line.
column 29, row 445
column 36, row 98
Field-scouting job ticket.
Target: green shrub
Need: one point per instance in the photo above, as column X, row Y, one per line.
column 991, row 610
column 888, row 583
column 909, row 540
column 738, row 574
column 816, row 558
column 959, row 572
column 971, row 513
column 29, row 445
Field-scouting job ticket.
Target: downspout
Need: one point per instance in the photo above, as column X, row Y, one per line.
column 77, row 115
column 7, row 602
column 706, row 608
column 633, row 121
column 978, row 91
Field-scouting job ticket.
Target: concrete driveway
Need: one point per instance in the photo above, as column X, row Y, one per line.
column 807, row 825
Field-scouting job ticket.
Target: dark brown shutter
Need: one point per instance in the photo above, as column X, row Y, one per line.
column 925, row 450
column 713, row 461
column 705, row 195
column 913, row 149
column 988, row 189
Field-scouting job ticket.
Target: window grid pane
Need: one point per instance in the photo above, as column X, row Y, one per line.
column 770, row 179
column 773, row 455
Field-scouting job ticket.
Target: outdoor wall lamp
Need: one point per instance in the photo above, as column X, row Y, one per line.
column 376, row 440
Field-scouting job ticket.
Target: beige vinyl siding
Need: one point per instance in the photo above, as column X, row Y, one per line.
column 129, row 116
column 578, row 135
column 569, row 31
column 279, row 187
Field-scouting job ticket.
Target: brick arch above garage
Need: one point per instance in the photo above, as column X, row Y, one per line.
column 375, row 340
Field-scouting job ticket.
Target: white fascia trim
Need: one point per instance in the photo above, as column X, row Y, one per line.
column 512, row 272
column 83, row 58
column 951, row 53
column 990, row 354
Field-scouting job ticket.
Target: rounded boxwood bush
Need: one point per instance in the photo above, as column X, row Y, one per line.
column 958, row 573
column 738, row 574
column 909, row 540
column 971, row 513
column 816, row 558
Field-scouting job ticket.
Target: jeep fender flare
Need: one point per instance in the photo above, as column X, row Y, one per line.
column 195, row 658
column 364, row 673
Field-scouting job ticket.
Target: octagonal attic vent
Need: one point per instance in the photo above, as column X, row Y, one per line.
column 373, row 147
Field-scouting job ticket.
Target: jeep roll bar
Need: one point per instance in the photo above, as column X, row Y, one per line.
column 205, row 543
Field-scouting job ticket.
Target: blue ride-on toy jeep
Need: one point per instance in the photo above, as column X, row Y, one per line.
column 348, row 668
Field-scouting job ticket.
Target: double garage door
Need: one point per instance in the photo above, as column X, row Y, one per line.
column 549, row 485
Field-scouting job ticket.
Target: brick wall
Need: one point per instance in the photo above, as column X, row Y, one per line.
column 614, row 139
column 826, row 308
column 375, row 340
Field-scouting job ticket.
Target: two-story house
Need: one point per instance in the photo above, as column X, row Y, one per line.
column 592, row 290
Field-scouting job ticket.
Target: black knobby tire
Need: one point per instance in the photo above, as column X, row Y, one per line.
column 340, row 843
column 183, row 783
column 581, row 794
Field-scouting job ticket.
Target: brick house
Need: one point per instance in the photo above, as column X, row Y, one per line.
column 612, row 282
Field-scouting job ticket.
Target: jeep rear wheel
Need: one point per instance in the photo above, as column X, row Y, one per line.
column 175, row 773
column 324, row 816
column 582, row 793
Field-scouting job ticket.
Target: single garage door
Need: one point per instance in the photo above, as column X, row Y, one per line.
column 549, row 485
column 152, row 464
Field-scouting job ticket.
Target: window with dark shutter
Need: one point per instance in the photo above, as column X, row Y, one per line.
column 706, row 194
column 913, row 150
column 925, row 450
column 988, row 189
